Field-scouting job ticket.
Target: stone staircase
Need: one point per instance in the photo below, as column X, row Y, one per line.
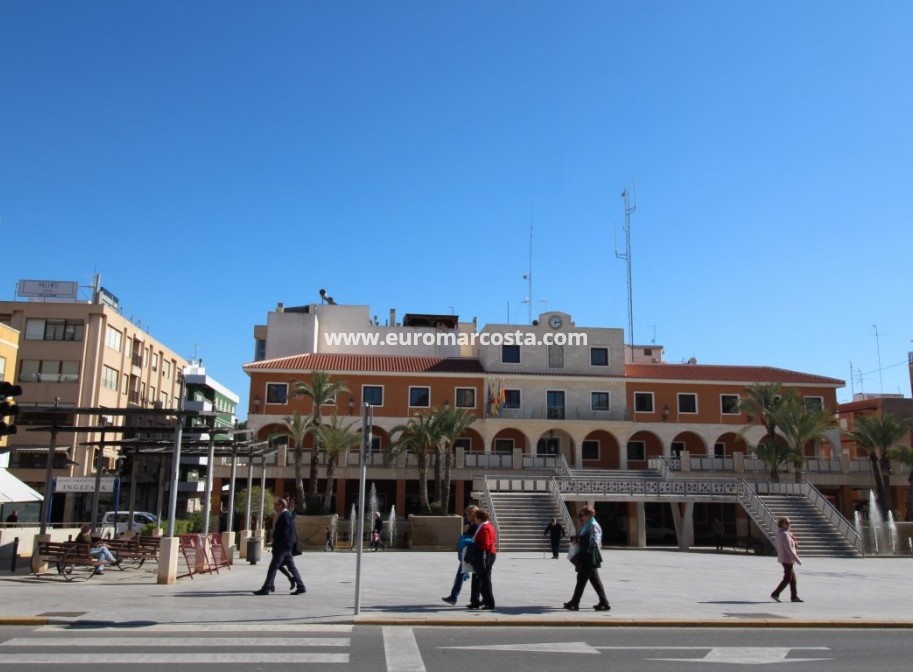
column 815, row 533
column 522, row 517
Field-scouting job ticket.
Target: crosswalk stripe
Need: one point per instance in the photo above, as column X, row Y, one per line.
column 78, row 640
column 285, row 658
column 203, row 627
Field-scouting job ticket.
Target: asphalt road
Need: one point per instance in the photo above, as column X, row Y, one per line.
column 221, row 647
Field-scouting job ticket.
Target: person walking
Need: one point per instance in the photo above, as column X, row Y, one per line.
column 555, row 532
column 377, row 532
column 284, row 539
column 589, row 541
column 463, row 541
column 483, row 555
column 718, row 530
column 787, row 555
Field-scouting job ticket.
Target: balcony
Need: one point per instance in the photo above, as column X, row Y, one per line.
column 560, row 413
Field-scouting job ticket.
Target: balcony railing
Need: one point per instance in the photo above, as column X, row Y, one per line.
column 558, row 413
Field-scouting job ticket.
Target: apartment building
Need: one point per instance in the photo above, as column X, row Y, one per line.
column 543, row 401
column 83, row 354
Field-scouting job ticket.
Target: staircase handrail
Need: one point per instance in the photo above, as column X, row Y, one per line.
column 563, row 468
column 566, row 519
column 758, row 510
column 660, row 465
column 489, row 503
column 828, row 510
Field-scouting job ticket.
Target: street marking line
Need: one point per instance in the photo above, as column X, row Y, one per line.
column 178, row 641
column 285, row 658
column 200, row 627
column 401, row 650
column 547, row 647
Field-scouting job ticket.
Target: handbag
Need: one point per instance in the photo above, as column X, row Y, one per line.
column 573, row 553
column 296, row 549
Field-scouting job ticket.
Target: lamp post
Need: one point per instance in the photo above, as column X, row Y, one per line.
column 99, row 456
column 366, row 423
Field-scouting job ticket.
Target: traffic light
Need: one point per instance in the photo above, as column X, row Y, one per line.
column 8, row 407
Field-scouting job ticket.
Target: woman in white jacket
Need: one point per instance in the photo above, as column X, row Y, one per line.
column 788, row 556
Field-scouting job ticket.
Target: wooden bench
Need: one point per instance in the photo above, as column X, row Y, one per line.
column 66, row 557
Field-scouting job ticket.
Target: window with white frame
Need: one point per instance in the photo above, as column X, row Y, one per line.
column 113, row 338
column 465, row 397
column 637, row 451
column 109, row 378
column 600, row 401
column 814, row 403
column 276, row 393
column 687, row 402
column 155, row 361
column 729, row 404
column 54, row 330
column 590, row 449
column 419, row 397
column 643, row 402
column 372, row 394
column 504, row 446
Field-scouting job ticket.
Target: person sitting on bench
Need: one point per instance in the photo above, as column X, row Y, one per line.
column 97, row 550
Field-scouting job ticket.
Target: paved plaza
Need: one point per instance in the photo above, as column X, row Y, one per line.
column 645, row 587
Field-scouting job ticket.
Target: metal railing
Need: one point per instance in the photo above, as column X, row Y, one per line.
column 697, row 488
column 563, row 468
column 758, row 511
column 820, row 502
column 661, row 464
column 540, row 461
column 559, row 413
column 566, row 519
column 489, row 460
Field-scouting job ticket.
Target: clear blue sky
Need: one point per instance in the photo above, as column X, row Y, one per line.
column 211, row 159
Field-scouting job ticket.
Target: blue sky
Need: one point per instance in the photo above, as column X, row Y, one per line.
column 211, row 159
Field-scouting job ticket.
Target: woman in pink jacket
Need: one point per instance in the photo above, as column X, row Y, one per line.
column 788, row 556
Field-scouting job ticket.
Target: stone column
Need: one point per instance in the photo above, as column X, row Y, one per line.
column 168, row 560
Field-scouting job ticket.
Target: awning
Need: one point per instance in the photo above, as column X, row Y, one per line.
column 14, row 490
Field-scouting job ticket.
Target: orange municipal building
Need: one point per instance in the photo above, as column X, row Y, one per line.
column 565, row 415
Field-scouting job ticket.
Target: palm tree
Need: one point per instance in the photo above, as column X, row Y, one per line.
column 451, row 423
column 298, row 426
column 419, row 436
column 904, row 455
column 761, row 400
column 336, row 439
column 800, row 424
column 878, row 434
column 321, row 390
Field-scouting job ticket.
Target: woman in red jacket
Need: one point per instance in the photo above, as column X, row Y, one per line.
column 483, row 557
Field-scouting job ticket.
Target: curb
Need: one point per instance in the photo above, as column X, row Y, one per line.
column 590, row 622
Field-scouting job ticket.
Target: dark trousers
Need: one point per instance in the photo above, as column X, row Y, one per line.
column 789, row 579
column 556, row 545
column 481, row 592
column 282, row 558
column 590, row 574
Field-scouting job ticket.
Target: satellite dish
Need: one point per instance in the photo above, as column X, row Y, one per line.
column 693, row 360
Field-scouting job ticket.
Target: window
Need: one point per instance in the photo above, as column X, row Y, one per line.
column 109, row 378
column 419, row 397
column 276, row 393
column 260, row 350
column 554, row 401
column 548, row 446
column 463, row 442
column 556, row 356
column 687, row 402
column 126, row 384
column 166, row 368
column 113, row 338
column 504, row 446
column 643, row 402
column 599, row 356
column 155, row 361
column 637, row 451
column 677, row 447
column 2, row 368
column 48, row 371
column 465, row 397
column 510, row 354
column 729, row 404
column 372, row 394
column 719, row 450
column 814, row 403
column 128, row 348
column 512, row 399
column 54, row 330
column 590, row 450
column 599, row 401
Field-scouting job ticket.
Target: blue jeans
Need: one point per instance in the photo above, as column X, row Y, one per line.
column 102, row 554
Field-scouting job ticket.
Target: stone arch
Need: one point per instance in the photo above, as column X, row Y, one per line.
column 609, row 451
column 508, row 434
column 476, row 442
column 732, row 443
column 555, row 441
column 689, row 441
column 644, row 444
column 377, row 432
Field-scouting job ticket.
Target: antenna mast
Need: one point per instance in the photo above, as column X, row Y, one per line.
column 878, row 349
column 626, row 257
column 529, row 276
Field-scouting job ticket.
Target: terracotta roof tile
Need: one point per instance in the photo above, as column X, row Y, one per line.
column 725, row 373
column 369, row 363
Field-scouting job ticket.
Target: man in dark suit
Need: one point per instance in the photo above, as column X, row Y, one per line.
column 284, row 538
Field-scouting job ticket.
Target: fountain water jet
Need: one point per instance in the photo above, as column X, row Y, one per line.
column 391, row 527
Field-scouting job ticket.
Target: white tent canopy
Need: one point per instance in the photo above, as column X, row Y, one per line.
column 14, row 490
